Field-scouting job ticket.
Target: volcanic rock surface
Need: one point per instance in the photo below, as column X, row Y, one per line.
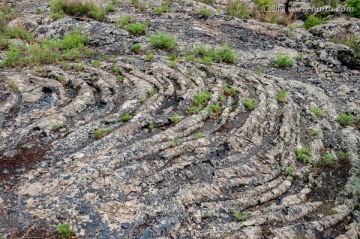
column 152, row 178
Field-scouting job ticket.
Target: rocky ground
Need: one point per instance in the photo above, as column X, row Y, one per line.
column 153, row 178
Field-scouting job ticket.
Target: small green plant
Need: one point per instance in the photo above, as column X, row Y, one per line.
column 79, row 67
column 328, row 158
column 12, row 85
column 58, row 126
column 110, row 7
column 251, row 104
column 173, row 57
column 313, row 21
column 300, row 56
column 205, row 13
column 70, row 47
column 149, row 56
column 228, row 90
column 218, row 54
column 151, row 125
column 202, row 98
column 25, row 146
column 150, row 93
column 312, row 132
column 101, row 133
column 281, row 96
column 259, row 71
column 134, row 2
column 241, row 216
column 264, row 4
column 79, row 8
column 214, row 109
column 171, row 64
column 198, row 135
column 342, row 155
column 123, row 21
column 283, row 61
column 355, row 4
column 162, row 9
column 200, row 101
column 142, row 99
column 175, row 118
column 137, row 29
column 163, row 41
column 289, row 171
column 174, row 142
column 142, row 7
column 17, row 33
column 116, row 69
column 136, row 48
column 96, row 63
column 237, row 8
column 125, row 117
column 120, row 77
column 303, row 154
column 66, row 231
column 345, row 119
column 317, row 111
column 207, row 60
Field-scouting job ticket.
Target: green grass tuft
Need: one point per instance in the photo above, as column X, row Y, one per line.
column 317, row 111
column 281, row 96
column 125, row 117
column 241, row 216
column 78, row 8
column 345, row 119
column 251, row 104
column 163, row 41
column 283, row 61
column 303, row 154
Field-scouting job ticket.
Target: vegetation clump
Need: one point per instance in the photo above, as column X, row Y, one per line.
column 70, row 47
column 125, row 117
column 136, row 48
column 219, row 54
column 163, row 41
column 283, row 61
column 58, row 126
column 78, row 8
column 317, row 111
column 281, row 96
column 289, row 171
column 313, row 21
column 200, row 101
column 198, row 135
column 312, row 132
column 328, row 158
column 355, row 4
column 250, row 103
column 66, row 231
column 175, row 118
column 345, row 119
column 229, row 91
column 101, row 133
column 241, row 216
column 214, row 110
column 205, row 13
column 237, row 8
column 137, row 29
column 303, row 154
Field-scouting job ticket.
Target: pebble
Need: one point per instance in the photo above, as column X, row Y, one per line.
column 5, row 171
column 10, row 153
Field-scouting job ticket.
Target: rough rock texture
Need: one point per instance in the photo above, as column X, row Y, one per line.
column 134, row 182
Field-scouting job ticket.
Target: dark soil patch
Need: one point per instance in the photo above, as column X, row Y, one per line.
column 22, row 161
